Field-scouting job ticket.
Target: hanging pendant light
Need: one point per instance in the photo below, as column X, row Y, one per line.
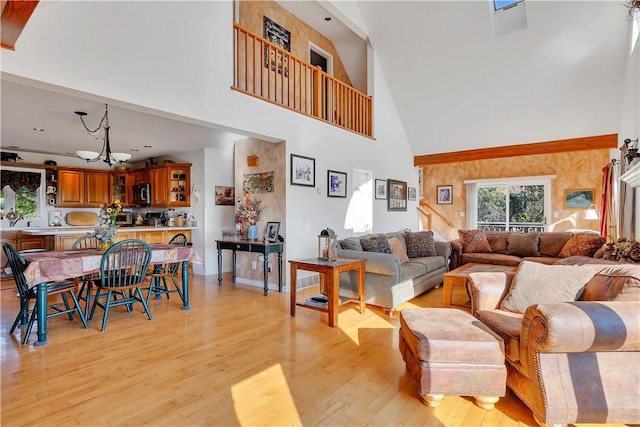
column 105, row 154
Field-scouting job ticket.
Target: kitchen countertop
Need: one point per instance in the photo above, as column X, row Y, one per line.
column 58, row 231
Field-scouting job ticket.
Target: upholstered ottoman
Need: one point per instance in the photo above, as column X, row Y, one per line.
column 448, row 351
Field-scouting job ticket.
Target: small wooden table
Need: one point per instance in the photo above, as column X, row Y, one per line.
column 458, row 277
column 329, row 280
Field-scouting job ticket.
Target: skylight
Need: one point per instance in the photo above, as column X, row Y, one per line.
column 504, row 4
column 507, row 16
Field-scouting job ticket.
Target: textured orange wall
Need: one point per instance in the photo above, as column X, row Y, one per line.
column 272, row 159
column 251, row 17
column 573, row 170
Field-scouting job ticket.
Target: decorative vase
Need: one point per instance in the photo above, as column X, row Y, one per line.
column 252, row 233
column 103, row 246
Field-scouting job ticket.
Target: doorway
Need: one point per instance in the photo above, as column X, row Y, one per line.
column 319, row 57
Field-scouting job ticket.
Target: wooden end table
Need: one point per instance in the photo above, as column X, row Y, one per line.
column 458, row 277
column 329, row 280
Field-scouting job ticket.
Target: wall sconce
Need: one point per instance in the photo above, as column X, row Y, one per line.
column 253, row 161
column 591, row 213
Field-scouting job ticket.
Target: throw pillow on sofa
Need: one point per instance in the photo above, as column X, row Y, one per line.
column 420, row 244
column 398, row 250
column 523, row 244
column 614, row 283
column 582, row 244
column 474, row 241
column 536, row 283
column 377, row 243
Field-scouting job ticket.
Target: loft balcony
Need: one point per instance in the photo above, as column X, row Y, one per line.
column 265, row 71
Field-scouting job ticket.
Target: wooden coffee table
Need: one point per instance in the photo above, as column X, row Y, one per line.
column 458, row 276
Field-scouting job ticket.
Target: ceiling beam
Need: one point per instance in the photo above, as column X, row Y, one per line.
column 15, row 15
column 561, row 146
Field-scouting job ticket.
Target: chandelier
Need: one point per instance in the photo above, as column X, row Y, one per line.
column 105, row 154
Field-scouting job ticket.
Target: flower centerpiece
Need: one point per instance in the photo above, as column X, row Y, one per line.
column 106, row 230
column 623, row 250
column 249, row 210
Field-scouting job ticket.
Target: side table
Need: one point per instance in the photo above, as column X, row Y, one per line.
column 252, row 246
column 330, row 280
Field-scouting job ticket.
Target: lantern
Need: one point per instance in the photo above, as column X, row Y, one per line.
column 327, row 245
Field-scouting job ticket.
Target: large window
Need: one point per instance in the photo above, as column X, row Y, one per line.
column 513, row 204
column 22, row 199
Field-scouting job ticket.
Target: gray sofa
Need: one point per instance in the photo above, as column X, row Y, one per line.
column 388, row 281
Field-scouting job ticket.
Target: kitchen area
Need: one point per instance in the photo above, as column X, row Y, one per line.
column 156, row 202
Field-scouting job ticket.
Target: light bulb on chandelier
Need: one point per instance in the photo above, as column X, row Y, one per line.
column 105, row 154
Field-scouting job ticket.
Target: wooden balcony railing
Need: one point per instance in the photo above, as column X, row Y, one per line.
column 268, row 72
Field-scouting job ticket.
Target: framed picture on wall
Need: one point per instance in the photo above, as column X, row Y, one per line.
column 336, row 184
column 444, row 194
column 381, row 189
column 411, row 193
column 580, row 198
column 303, row 171
column 397, row 191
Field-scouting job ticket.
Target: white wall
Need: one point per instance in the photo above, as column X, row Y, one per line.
column 177, row 57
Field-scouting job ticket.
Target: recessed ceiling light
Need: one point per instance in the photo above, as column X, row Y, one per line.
column 327, row 18
column 38, row 129
column 148, row 146
column 13, row 147
column 134, row 149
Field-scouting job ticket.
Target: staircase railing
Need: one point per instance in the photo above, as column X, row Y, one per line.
column 266, row 71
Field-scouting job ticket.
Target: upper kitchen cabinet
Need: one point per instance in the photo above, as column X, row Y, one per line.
column 179, row 188
column 80, row 188
column 120, row 187
column 158, row 179
column 170, row 184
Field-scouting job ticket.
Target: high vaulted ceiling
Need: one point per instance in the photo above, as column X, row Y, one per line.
column 455, row 86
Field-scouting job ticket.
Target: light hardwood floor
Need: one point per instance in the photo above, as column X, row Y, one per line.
column 236, row 358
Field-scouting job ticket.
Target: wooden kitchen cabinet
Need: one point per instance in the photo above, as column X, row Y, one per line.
column 80, row 188
column 23, row 242
column 96, row 188
column 158, row 179
column 170, row 184
column 161, row 235
column 70, row 188
column 179, row 186
column 120, row 188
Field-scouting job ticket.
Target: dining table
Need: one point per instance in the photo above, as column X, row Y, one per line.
column 49, row 266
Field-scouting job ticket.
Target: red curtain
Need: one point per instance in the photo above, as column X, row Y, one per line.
column 608, row 225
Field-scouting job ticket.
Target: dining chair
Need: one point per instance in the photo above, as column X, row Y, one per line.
column 86, row 242
column 123, row 270
column 28, row 315
column 161, row 272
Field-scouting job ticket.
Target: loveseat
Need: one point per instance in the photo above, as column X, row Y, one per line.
column 414, row 265
column 510, row 248
column 571, row 335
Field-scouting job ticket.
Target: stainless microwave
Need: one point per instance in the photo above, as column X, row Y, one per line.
column 124, row 218
column 141, row 194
